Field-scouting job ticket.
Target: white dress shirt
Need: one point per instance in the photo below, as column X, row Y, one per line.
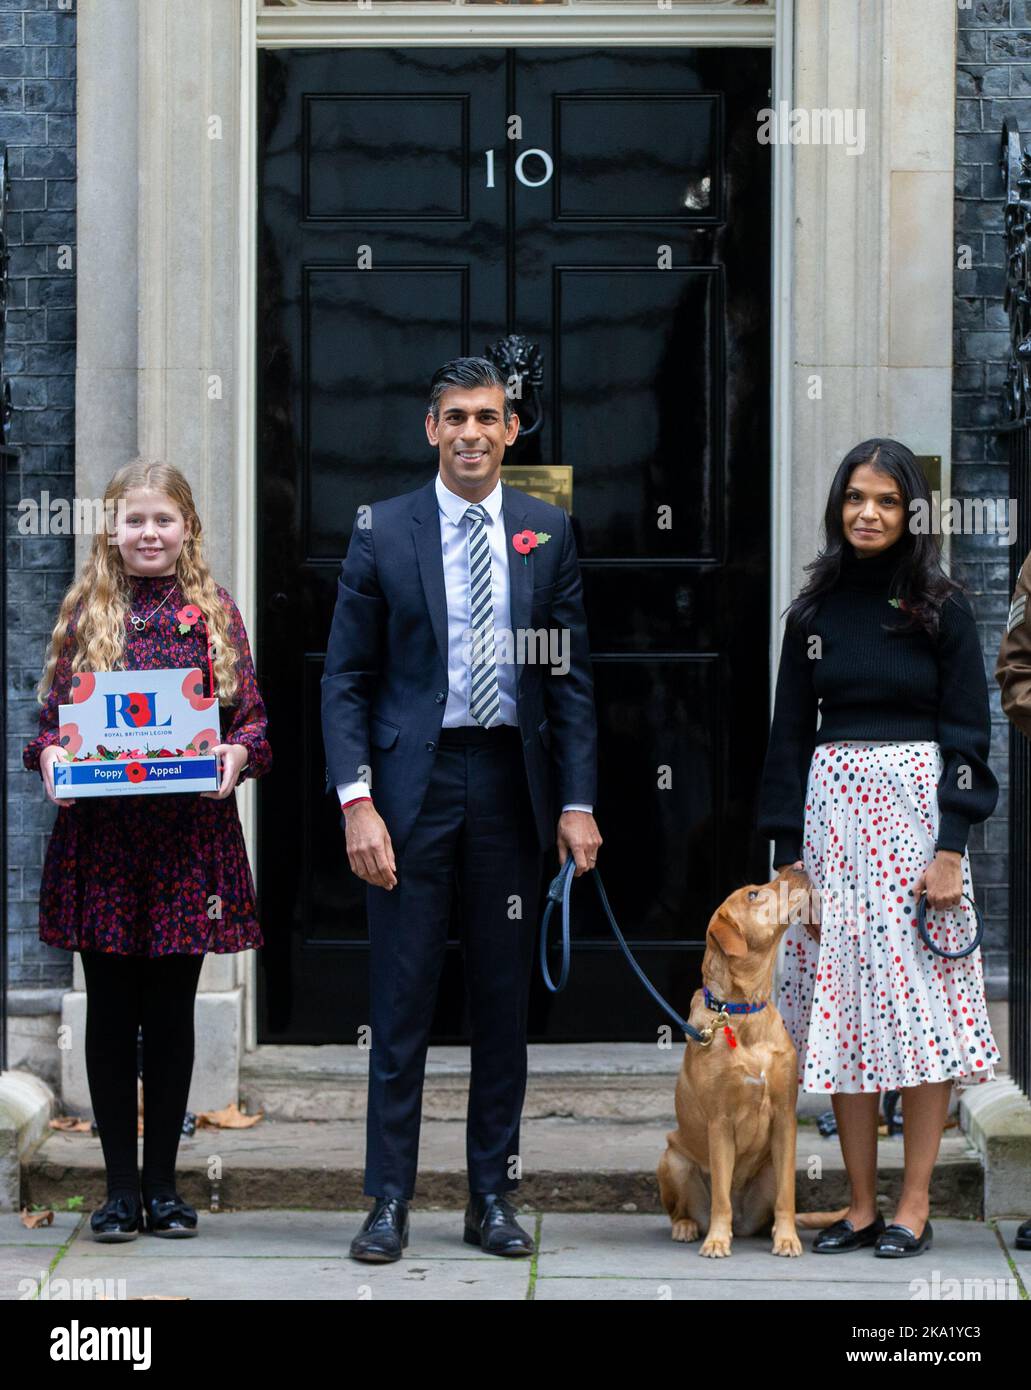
column 454, row 546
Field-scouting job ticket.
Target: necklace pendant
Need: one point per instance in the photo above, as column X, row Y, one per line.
column 138, row 623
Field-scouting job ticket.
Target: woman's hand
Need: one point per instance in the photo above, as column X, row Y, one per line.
column 234, row 760
column 811, row 919
column 50, row 755
column 942, row 880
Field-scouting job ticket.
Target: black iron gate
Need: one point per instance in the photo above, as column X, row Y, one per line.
column 1016, row 167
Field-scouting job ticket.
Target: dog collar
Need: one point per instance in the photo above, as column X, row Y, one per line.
column 711, row 1002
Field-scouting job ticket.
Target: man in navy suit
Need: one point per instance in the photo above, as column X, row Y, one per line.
column 458, row 675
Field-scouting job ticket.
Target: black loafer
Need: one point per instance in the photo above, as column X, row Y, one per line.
column 896, row 1241
column 844, row 1236
column 118, row 1219
column 170, row 1216
column 1023, row 1240
column 384, row 1232
column 490, row 1223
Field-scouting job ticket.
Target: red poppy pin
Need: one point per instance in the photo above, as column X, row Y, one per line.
column 187, row 617
column 525, row 541
column 899, row 603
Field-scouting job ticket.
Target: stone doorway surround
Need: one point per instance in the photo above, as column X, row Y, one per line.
column 862, row 299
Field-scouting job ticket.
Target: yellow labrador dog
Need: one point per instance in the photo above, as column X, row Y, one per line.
column 729, row 1166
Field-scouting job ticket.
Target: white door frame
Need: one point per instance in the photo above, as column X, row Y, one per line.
column 314, row 23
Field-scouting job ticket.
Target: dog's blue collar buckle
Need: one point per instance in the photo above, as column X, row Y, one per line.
column 720, row 1006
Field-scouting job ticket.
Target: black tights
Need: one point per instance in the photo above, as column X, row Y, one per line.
column 122, row 994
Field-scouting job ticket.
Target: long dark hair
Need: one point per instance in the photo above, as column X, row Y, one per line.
column 920, row 582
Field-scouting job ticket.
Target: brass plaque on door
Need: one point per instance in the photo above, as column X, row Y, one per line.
column 550, row 483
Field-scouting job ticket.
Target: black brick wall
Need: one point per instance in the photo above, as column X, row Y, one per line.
column 993, row 83
column 37, row 123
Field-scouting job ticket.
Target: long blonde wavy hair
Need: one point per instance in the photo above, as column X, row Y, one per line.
column 99, row 599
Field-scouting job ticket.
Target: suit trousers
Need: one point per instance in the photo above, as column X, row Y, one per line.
column 474, row 840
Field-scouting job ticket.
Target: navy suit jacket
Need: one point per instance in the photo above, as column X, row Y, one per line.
column 384, row 684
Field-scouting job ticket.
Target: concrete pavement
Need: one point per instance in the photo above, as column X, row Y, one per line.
column 287, row 1255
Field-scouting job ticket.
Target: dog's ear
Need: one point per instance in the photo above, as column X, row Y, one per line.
column 729, row 936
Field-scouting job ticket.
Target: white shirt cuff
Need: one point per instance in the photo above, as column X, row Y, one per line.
column 350, row 790
column 574, row 807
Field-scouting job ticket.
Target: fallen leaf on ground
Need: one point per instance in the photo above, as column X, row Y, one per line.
column 232, row 1117
column 32, row 1219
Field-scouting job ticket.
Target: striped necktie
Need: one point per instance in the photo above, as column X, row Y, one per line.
column 484, row 696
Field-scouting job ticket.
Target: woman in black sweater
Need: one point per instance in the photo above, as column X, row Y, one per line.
column 876, row 805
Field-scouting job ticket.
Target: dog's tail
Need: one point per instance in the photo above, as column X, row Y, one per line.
column 818, row 1220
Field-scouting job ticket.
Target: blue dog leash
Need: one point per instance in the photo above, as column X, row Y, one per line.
column 560, row 889
column 559, row 892
column 921, row 926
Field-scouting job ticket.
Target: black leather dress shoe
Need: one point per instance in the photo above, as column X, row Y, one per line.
column 896, row 1241
column 384, row 1233
column 844, row 1236
column 1023, row 1240
column 169, row 1216
column 117, row 1219
column 490, row 1223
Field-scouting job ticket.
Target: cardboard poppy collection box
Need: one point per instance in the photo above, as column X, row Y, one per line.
column 133, row 733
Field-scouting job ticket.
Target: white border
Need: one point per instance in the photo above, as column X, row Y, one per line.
column 781, row 338
column 245, row 551
column 344, row 24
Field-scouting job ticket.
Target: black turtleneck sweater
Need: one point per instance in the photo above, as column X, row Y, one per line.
column 869, row 684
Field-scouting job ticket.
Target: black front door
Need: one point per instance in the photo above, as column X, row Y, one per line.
column 625, row 231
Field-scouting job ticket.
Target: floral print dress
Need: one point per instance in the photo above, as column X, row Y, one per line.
column 155, row 875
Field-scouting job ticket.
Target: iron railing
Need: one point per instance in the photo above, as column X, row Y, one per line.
column 7, row 457
column 1016, row 171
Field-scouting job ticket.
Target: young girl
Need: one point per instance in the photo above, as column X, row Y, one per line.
column 143, row 886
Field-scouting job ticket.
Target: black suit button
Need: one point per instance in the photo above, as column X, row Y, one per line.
column 430, row 747
column 440, row 697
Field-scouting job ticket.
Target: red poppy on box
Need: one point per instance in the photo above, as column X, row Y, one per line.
column 135, row 772
column 69, row 738
column 193, row 689
column 83, row 684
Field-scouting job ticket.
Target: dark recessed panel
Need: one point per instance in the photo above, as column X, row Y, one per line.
column 639, row 377
column 636, row 158
column 384, row 157
column 373, row 340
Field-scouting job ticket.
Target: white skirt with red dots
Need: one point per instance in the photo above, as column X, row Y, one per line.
column 869, row 1007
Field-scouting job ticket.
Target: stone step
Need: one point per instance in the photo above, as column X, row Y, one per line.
column 583, row 1081
column 569, row 1165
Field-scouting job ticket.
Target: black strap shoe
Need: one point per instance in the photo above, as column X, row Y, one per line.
column 384, row 1233
column 897, row 1241
column 118, row 1219
column 1023, row 1240
column 490, row 1223
column 844, row 1236
column 169, row 1216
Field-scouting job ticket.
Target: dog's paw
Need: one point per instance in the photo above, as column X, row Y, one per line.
column 715, row 1247
column 786, row 1242
column 685, row 1230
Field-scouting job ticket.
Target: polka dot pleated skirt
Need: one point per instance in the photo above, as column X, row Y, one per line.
column 869, row 1007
